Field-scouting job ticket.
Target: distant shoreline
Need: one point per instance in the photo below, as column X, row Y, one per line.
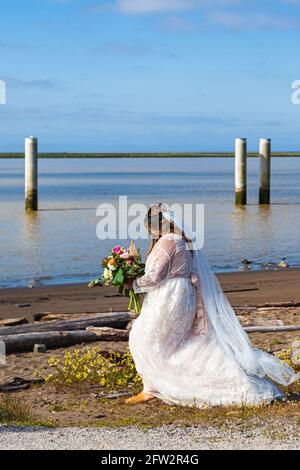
column 13, row 155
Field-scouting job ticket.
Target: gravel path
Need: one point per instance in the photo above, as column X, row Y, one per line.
column 164, row 438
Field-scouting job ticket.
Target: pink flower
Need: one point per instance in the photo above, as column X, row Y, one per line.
column 117, row 250
column 125, row 255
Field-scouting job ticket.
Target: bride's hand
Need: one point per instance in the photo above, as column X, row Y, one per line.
column 129, row 284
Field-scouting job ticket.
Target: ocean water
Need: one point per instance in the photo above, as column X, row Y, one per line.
column 59, row 243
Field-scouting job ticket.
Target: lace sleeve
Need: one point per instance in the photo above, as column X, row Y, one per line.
column 157, row 268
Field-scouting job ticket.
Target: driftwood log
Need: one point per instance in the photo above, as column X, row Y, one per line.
column 278, row 304
column 13, row 321
column 113, row 320
column 270, row 329
column 268, row 306
column 56, row 339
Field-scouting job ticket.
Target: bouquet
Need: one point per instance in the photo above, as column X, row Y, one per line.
column 120, row 266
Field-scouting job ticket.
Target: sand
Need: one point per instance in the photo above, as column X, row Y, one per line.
column 69, row 408
column 241, row 288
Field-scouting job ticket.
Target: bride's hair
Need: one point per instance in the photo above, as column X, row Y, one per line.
column 157, row 225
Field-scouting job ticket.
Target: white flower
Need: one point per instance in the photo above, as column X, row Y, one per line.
column 107, row 275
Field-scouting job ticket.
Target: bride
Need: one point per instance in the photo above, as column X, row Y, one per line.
column 187, row 344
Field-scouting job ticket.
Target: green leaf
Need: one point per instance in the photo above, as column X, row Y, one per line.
column 119, row 278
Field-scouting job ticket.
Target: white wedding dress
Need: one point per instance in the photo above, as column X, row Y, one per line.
column 188, row 347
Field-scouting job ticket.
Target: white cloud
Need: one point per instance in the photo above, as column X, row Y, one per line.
column 153, row 6
column 158, row 6
column 14, row 82
column 254, row 21
column 232, row 14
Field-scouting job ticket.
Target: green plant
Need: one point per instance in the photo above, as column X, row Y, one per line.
column 286, row 357
column 13, row 410
column 88, row 365
column 275, row 342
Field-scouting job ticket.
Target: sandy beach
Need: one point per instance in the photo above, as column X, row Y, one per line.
column 258, row 298
column 241, row 288
column 248, row 292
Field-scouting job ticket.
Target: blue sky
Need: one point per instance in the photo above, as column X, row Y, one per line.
column 149, row 75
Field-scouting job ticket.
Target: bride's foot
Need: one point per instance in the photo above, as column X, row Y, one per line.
column 140, row 398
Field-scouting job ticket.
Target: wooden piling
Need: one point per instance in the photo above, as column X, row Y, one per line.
column 31, row 174
column 241, row 171
column 265, row 171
